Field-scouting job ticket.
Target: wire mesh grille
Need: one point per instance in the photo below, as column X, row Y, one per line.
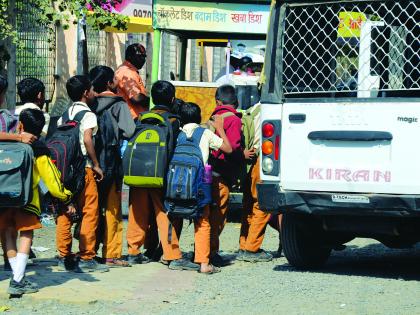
column 363, row 48
column 96, row 46
column 38, row 55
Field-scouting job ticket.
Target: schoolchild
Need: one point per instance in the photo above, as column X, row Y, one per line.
column 225, row 166
column 31, row 92
column 147, row 202
column 80, row 91
column 254, row 220
column 25, row 220
column 190, row 115
column 8, row 132
column 119, row 125
column 6, row 126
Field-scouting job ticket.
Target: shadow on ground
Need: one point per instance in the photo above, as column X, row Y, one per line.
column 45, row 274
column 374, row 260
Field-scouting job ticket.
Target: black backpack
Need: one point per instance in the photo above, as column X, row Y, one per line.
column 66, row 153
column 16, row 167
column 107, row 149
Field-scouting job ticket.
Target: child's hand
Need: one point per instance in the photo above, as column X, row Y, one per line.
column 27, row 138
column 249, row 154
column 71, row 210
column 217, row 122
column 99, row 174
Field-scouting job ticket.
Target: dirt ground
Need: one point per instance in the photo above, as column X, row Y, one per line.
column 366, row 278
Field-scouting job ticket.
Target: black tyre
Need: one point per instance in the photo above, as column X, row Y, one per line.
column 303, row 242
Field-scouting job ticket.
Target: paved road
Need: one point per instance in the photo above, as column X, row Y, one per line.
column 366, row 278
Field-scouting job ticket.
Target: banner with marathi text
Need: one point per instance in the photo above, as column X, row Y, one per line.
column 211, row 16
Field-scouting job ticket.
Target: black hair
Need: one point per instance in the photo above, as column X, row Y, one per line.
column 76, row 86
column 227, row 95
column 3, row 84
column 29, row 88
column 190, row 113
column 100, row 76
column 33, row 121
column 177, row 104
column 133, row 50
column 163, row 93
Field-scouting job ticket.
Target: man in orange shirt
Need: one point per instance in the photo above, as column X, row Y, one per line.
column 130, row 84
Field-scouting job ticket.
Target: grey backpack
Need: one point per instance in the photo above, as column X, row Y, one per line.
column 16, row 167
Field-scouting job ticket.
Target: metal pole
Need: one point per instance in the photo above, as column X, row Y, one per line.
column 201, row 60
column 183, row 62
column 156, row 57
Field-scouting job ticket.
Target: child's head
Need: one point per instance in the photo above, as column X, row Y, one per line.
column 226, row 95
column 79, row 88
column 31, row 121
column 190, row 113
column 3, row 89
column 177, row 104
column 163, row 93
column 31, row 90
column 102, row 78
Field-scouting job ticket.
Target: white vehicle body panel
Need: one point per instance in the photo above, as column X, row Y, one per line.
column 384, row 167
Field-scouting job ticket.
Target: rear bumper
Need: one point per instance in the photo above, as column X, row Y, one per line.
column 272, row 199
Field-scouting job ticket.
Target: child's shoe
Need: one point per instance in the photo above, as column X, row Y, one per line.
column 66, row 263
column 260, row 256
column 183, row 264
column 90, row 265
column 22, row 287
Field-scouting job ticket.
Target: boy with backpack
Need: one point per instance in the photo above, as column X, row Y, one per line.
column 115, row 124
column 254, row 221
column 192, row 142
column 226, row 167
column 8, row 123
column 31, row 92
column 26, row 219
column 158, row 128
column 80, row 91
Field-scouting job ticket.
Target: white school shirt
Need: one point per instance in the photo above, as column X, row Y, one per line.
column 208, row 141
column 89, row 121
column 21, row 108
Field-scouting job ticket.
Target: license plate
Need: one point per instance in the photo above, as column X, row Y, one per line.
column 350, row 199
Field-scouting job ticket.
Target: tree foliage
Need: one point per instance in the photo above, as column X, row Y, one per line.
column 98, row 14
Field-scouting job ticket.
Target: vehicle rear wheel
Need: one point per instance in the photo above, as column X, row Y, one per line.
column 303, row 242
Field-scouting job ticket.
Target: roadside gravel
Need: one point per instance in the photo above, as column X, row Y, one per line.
column 366, row 278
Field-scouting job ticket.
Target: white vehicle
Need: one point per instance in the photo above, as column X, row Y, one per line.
column 341, row 125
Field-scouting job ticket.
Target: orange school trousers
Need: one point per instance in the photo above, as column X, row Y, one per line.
column 218, row 212
column 254, row 221
column 113, row 232
column 202, row 237
column 89, row 203
column 145, row 202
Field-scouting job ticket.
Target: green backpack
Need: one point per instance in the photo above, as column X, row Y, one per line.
column 146, row 158
column 248, row 125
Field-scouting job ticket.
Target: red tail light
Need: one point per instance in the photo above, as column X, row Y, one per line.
column 268, row 130
column 277, row 148
column 270, row 147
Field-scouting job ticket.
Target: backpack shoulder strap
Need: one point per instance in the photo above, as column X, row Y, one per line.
column 65, row 117
column 227, row 114
column 197, row 134
column 79, row 116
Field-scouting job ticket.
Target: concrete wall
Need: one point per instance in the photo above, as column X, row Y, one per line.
column 66, row 62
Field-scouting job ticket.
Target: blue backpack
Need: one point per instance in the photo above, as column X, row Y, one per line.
column 186, row 192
